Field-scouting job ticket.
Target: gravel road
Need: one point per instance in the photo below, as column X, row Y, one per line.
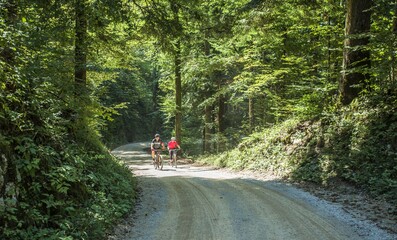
column 195, row 202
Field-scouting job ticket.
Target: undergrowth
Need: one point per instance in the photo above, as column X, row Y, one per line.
column 57, row 180
column 79, row 198
column 357, row 145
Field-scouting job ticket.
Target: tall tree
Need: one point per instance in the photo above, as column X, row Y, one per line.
column 208, row 108
column 163, row 22
column 394, row 42
column 80, row 70
column 395, row 18
column 178, row 93
column 356, row 57
column 178, row 74
column 8, row 173
column 11, row 17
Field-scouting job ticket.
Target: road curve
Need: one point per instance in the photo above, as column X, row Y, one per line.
column 203, row 203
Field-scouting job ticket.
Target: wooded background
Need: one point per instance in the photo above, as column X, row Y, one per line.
column 306, row 89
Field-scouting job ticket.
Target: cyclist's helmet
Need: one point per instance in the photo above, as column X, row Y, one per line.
column 157, row 135
column 173, row 139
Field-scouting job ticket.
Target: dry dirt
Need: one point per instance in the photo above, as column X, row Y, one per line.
column 199, row 202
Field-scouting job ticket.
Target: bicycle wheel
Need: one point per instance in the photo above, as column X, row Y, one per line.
column 155, row 162
column 174, row 159
column 161, row 162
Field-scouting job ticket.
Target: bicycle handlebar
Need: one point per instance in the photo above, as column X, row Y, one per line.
column 158, row 150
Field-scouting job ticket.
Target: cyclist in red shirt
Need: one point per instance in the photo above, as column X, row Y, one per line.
column 172, row 145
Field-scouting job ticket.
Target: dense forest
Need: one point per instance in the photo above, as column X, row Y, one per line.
column 304, row 89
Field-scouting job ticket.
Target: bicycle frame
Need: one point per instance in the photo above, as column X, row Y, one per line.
column 174, row 158
column 158, row 159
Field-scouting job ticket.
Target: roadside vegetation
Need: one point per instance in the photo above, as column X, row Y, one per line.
column 57, row 178
column 356, row 145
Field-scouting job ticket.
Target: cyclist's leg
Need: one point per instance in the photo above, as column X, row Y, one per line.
column 175, row 159
column 155, row 160
column 161, row 161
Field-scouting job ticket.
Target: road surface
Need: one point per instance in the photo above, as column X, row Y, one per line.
column 193, row 202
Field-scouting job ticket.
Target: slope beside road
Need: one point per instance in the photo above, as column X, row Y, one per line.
column 193, row 202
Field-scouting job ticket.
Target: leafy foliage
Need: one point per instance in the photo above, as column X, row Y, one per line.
column 79, row 198
column 57, row 180
column 268, row 68
column 336, row 146
column 259, row 75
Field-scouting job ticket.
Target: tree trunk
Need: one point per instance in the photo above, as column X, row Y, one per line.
column 74, row 114
column 207, row 129
column 207, row 111
column 80, row 71
column 329, row 50
column 251, row 114
column 178, row 93
column 356, row 59
column 221, row 114
column 395, row 18
column 221, row 122
column 178, row 74
column 8, row 169
column 393, row 63
column 156, row 119
column 8, row 54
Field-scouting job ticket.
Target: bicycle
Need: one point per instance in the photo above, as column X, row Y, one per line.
column 158, row 159
column 174, row 161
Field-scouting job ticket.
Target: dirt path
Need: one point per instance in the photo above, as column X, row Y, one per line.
column 193, row 202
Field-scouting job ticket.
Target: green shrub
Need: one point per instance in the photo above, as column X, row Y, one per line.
column 78, row 199
column 357, row 145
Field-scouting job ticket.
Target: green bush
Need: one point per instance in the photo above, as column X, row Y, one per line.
column 57, row 179
column 357, row 145
column 78, row 199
